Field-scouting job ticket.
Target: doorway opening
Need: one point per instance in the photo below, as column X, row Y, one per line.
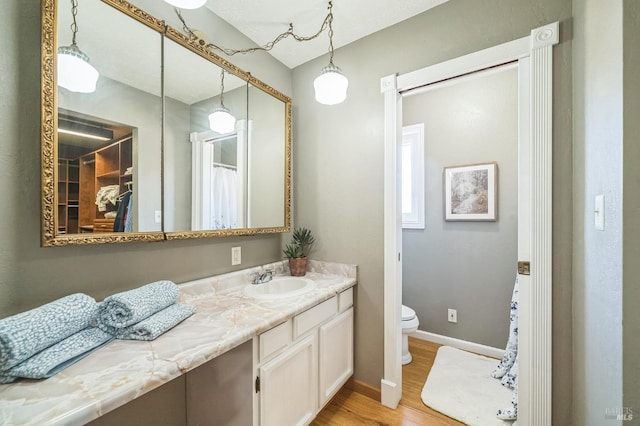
column 533, row 55
column 458, row 268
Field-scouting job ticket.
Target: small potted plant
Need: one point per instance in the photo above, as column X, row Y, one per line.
column 298, row 250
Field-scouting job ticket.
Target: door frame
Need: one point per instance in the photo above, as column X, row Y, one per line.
column 535, row 70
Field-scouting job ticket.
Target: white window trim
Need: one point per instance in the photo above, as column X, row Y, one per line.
column 414, row 135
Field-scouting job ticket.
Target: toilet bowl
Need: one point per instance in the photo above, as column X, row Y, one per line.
column 409, row 325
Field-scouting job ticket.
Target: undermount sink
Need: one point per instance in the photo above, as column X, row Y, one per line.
column 279, row 288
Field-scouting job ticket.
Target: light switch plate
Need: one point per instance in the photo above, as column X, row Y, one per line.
column 599, row 212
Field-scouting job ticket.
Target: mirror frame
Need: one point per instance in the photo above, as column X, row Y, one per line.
column 49, row 136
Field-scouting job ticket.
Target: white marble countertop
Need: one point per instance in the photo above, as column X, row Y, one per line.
column 123, row 370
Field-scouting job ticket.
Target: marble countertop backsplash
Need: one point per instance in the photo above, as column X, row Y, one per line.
column 123, row 370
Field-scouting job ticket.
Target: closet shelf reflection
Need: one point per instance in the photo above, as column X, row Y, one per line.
column 114, row 173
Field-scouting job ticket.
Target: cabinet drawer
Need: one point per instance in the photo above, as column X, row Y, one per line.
column 314, row 316
column 275, row 339
column 103, row 225
column 345, row 300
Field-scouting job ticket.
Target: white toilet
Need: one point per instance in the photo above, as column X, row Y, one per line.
column 409, row 325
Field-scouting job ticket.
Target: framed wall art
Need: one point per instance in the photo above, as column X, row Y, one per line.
column 471, row 192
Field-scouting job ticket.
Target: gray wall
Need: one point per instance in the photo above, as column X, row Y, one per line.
column 31, row 275
column 266, row 160
column 467, row 266
column 606, row 285
column 177, row 166
column 338, row 156
column 631, row 183
column 598, row 146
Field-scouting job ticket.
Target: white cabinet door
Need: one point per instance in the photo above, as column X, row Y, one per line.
column 336, row 355
column 288, row 386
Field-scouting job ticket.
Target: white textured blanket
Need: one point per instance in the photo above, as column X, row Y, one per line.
column 460, row 385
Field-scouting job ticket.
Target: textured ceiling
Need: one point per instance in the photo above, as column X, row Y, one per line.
column 262, row 21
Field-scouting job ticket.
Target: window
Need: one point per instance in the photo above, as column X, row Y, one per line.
column 412, row 179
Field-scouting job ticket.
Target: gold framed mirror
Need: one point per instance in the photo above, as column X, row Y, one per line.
column 118, row 162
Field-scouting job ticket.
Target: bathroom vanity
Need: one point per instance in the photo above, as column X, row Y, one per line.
column 238, row 360
column 303, row 362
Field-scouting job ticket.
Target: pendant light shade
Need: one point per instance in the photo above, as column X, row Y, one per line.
column 221, row 120
column 75, row 73
column 331, row 86
column 187, row 4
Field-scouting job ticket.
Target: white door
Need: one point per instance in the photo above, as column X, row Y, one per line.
column 288, row 386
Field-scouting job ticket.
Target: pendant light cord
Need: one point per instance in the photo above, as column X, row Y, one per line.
column 221, row 87
column 329, row 24
column 74, row 25
column 267, row 47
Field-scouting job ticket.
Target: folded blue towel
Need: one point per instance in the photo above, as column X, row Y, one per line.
column 153, row 326
column 130, row 307
column 25, row 334
column 58, row 357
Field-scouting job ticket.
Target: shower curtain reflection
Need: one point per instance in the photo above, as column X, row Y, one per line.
column 219, row 180
column 224, row 213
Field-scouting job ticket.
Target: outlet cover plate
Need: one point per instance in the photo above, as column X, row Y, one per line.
column 236, row 256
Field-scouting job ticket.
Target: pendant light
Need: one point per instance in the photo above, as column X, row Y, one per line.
column 187, row 4
column 75, row 73
column 331, row 85
column 221, row 120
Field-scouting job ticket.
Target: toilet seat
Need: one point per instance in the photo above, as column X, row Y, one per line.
column 407, row 313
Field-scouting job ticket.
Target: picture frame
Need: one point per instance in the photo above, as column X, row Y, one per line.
column 471, row 192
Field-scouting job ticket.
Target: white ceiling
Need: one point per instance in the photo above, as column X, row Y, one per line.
column 262, row 21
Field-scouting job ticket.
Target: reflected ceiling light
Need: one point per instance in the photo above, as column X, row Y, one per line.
column 87, row 130
column 331, row 85
column 221, row 120
column 75, row 73
column 84, row 135
column 187, row 4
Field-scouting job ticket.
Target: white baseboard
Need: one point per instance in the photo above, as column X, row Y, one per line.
column 390, row 394
column 460, row 344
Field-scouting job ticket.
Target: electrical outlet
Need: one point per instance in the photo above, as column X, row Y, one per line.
column 158, row 216
column 452, row 315
column 236, row 255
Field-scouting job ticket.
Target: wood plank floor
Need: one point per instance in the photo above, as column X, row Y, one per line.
column 350, row 407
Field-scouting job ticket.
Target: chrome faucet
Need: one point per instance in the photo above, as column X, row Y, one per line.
column 259, row 278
